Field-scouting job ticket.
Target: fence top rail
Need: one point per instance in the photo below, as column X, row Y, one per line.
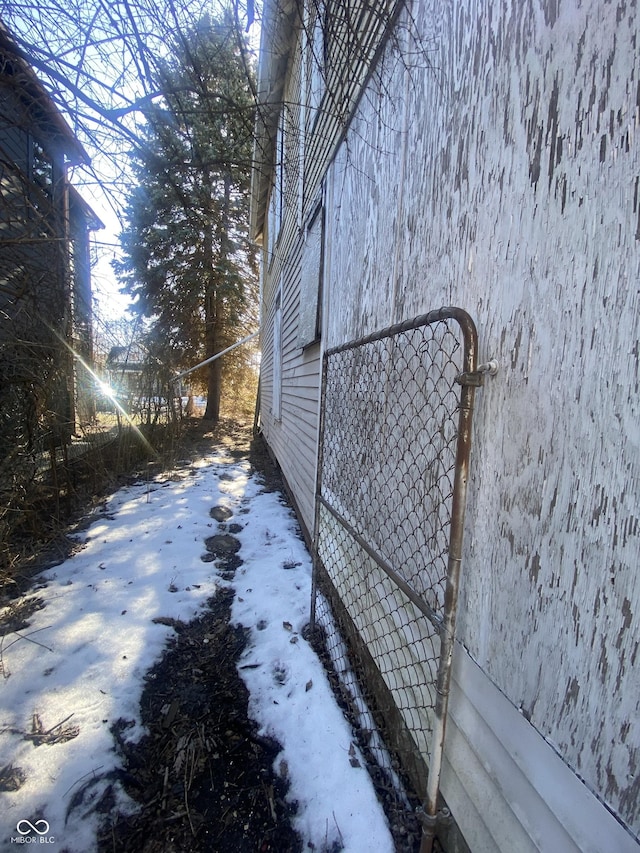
column 463, row 319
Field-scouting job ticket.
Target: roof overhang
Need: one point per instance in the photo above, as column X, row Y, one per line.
column 279, row 26
column 91, row 219
column 45, row 114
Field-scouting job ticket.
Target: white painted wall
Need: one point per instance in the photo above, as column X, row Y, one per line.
column 501, row 173
column 290, row 424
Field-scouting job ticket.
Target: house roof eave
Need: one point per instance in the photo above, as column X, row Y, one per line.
column 276, row 44
column 51, row 119
column 91, row 218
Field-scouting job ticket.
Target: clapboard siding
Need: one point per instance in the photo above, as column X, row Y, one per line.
column 529, row 799
column 293, row 438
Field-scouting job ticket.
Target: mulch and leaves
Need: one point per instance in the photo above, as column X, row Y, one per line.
column 203, row 775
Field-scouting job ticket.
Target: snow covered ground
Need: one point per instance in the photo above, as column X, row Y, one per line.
column 80, row 663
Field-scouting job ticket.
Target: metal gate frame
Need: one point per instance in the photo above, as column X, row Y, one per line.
column 468, row 379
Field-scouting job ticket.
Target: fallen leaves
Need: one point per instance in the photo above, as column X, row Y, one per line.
column 353, row 758
column 56, row 734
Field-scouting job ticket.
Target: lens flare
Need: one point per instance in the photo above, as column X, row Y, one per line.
column 107, row 390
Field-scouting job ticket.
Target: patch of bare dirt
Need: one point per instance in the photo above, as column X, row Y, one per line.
column 203, row 777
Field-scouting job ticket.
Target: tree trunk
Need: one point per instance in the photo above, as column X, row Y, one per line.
column 214, row 372
column 212, row 320
column 214, row 302
column 213, row 345
column 214, row 392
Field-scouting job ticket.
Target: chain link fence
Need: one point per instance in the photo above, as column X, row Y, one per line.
column 394, row 449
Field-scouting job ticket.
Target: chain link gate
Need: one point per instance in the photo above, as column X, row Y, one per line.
column 395, row 434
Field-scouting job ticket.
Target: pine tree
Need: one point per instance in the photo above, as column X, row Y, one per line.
column 187, row 259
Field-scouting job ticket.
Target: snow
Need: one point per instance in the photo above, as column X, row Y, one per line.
column 79, row 665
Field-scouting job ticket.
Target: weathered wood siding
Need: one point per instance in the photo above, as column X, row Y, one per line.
column 293, row 437
column 497, row 167
column 310, row 138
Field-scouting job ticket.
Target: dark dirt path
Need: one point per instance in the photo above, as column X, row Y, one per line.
column 203, row 778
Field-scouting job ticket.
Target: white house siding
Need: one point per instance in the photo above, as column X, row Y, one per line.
column 501, row 172
column 292, row 437
column 310, row 138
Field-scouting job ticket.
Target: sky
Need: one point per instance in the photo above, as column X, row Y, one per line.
column 81, row 662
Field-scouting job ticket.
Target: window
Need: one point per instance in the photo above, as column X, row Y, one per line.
column 311, row 276
column 41, row 166
column 277, row 358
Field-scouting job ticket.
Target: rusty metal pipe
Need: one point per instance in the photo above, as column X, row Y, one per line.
column 447, row 635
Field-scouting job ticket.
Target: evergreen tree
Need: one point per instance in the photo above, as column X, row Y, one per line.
column 187, row 259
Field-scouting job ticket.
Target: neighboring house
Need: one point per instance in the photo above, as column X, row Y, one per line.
column 82, row 222
column 482, row 155
column 45, row 286
column 126, row 368
column 135, row 383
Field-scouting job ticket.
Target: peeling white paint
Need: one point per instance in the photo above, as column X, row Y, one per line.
column 503, row 175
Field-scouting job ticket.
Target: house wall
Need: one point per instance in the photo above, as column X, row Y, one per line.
column 291, row 432
column 35, row 298
column 81, row 309
column 293, row 436
column 315, row 108
column 13, row 138
column 496, row 167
